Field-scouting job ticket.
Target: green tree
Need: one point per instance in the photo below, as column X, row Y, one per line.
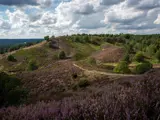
column 47, row 38
column 126, row 58
column 11, row 92
column 122, row 67
column 158, row 55
column 143, row 67
column 32, row 66
column 139, row 57
column 11, row 58
column 62, row 55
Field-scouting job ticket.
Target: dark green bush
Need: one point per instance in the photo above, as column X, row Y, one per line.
column 143, row 67
column 32, row 66
column 83, row 83
column 126, row 58
column 11, row 92
column 158, row 55
column 11, row 58
column 139, row 57
column 47, row 38
column 122, row 67
column 62, row 55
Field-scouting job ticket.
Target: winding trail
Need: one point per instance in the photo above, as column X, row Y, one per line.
column 103, row 73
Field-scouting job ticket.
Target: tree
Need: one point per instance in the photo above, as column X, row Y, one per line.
column 11, row 92
column 32, row 66
column 126, row 58
column 11, row 58
column 139, row 57
column 46, row 38
column 122, row 67
column 143, row 67
column 158, row 55
column 62, row 55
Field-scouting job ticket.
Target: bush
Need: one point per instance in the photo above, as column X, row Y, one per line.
column 11, row 92
column 62, row 55
column 83, row 83
column 47, row 38
column 126, row 58
column 158, row 55
column 122, row 67
column 139, row 57
column 91, row 60
column 143, row 67
column 32, row 66
column 78, row 56
column 11, row 58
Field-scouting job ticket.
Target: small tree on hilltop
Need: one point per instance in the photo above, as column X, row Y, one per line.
column 46, row 38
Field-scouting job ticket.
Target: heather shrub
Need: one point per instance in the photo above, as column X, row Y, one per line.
column 122, row 67
column 11, row 58
column 62, row 55
column 143, row 67
column 83, row 82
column 139, row 102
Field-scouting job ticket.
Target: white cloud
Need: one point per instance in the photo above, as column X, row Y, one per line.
column 157, row 21
column 79, row 16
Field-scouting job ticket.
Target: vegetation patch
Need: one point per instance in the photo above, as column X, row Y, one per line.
column 11, row 91
column 143, row 67
column 122, row 67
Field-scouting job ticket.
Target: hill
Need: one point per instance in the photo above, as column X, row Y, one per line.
column 84, row 80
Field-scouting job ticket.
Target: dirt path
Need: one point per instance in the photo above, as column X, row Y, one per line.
column 26, row 48
column 102, row 73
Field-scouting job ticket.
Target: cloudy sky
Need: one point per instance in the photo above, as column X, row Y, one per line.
column 37, row 18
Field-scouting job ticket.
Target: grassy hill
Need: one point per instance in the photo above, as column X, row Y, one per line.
column 84, row 80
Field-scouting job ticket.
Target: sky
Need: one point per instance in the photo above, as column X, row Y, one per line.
column 38, row 18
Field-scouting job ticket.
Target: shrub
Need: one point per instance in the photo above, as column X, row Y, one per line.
column 143, row 67
column 158, row 55
column 47, row 38
column 91, row 60
column 62, row 55
column 122, row 67
column 74, row 75
column 83, row 83
column 139, row 57
column 32, row 66
column 11, row 92
column 78, row 56
column 11, row 58
column 126, row 58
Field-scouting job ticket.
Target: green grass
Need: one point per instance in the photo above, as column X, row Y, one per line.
column 42, row 56
column 84, row 50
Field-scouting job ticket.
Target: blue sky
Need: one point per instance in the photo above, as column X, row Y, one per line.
column 37, row 18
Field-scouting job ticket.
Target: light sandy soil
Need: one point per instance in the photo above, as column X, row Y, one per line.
column 101, row 73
